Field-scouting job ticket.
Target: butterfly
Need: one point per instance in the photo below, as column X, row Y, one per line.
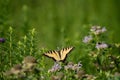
column 59, row 55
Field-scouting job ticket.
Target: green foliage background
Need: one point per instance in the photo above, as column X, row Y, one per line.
column 60, row 23
column 58, row 20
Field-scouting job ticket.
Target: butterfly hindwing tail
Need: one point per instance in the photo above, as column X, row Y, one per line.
column 64, row 52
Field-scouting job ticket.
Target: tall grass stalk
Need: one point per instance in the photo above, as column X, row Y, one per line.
column 10, row 40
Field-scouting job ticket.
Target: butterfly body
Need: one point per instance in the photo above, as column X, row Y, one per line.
column 59, row 55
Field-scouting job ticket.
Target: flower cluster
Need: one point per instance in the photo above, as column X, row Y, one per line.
column 101, row 53
column 75, row 69
column 73, row 66
column 69, row 66
column 28, row 65
column 98, row 30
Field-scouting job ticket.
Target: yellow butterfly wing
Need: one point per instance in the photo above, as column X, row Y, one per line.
column 64, row 52
column 53, row 54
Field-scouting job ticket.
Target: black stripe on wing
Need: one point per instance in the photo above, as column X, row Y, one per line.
column 53, row 54
column 64, row 52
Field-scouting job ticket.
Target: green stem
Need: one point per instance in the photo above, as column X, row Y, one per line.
column 10, row 45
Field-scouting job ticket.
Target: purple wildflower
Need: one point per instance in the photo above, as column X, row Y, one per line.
column 69, row 66
column 2, row 40
column 87, row 39
column 98, row 30
column 101, row 46
column 72, row 66
column 56, row 67
column 76, row 67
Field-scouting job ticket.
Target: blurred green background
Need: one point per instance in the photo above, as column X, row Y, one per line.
column 59, row 22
